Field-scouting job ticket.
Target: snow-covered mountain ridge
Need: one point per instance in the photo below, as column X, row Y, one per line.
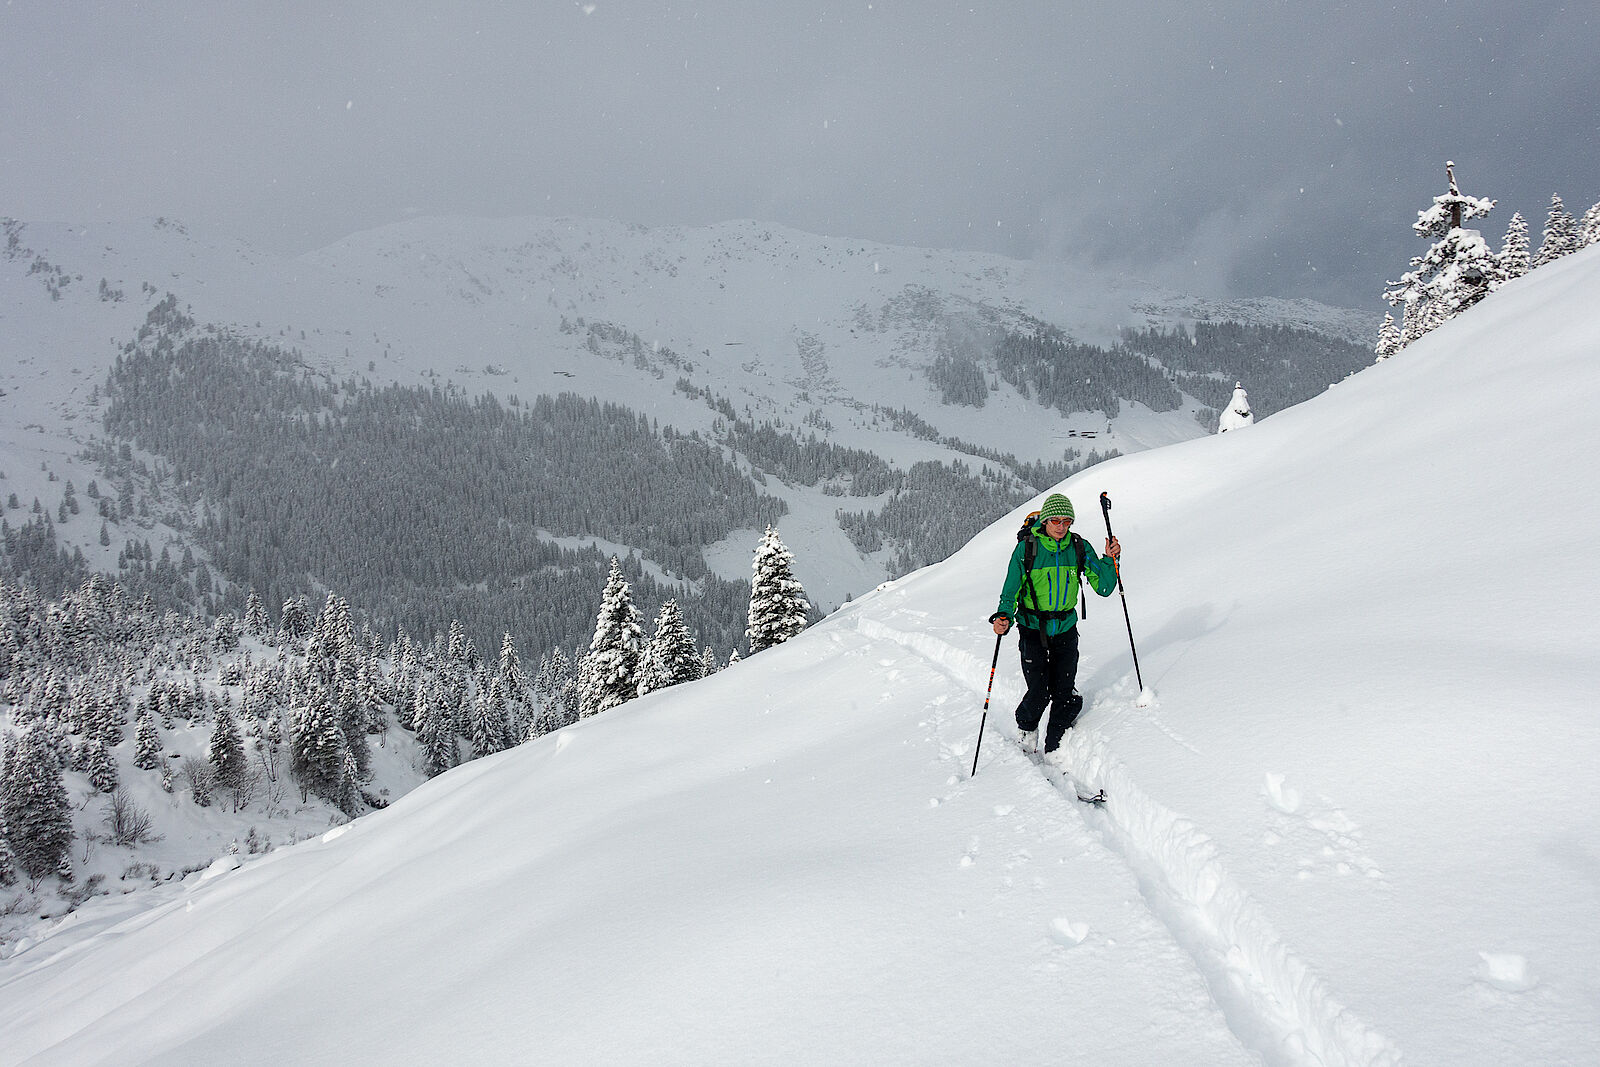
column 1358, row 825
column 782, row 321
column 810, row 334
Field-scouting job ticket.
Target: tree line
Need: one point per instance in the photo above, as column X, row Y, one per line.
column 295, row 703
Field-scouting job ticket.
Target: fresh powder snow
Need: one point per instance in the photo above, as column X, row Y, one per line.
column 1356, row 823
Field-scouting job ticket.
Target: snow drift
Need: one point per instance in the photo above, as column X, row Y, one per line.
column 1358, row 824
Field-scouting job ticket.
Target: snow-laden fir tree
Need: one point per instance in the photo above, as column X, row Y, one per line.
column 435, row 735
column 1560, row 234
column 8, row 860
column 552, row 695
column 612, row 666
column 1388, row 338
column 34, row 808
column 1237, row 414
column 316, row 741
column 489, row 720
column 295, row 619
column 100, row 765
column 349, row 799
column 1589, row 228
column 459, row 647
column 405, row 684
column 708, row 662
column 354, row 716
column 513, row 691
column 1514, row 252
column 778, row 605
column 146, row 741
column 255, row 616
column 512, row 681
column 226, row 631
column 1456, row 272
column 671, row 656
column 226, row 751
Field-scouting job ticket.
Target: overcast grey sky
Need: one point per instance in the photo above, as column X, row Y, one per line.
column 1250, row 147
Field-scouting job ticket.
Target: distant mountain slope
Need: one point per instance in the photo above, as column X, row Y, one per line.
column 756, row 338
column 1357, row 825
column 779, row 320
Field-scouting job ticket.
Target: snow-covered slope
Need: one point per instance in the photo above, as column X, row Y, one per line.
column 1359, row 823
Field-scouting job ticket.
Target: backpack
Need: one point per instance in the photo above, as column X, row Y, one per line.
column 1030, row 551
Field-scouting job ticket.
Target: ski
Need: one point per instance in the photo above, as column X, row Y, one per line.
column 1032, row 752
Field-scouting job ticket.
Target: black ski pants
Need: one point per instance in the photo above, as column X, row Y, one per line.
column 1050, row 667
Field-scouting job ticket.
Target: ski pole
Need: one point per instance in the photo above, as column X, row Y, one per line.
column 1105, row 509
column 985, row 720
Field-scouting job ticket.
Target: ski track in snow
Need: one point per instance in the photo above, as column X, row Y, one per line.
column 1274, row 1003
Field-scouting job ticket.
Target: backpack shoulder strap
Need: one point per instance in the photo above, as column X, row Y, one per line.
column 1083, row 594
column 1030, row 551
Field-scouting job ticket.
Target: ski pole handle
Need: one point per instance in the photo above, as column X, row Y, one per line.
column 1105, row 509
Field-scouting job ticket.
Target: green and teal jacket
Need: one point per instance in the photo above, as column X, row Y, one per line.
column 1052, row 605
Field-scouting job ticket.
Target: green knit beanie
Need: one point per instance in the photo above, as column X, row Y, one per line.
column 1056, row 506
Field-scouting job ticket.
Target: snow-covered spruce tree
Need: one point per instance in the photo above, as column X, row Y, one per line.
column 255, row 616
column 146, row 741
column 34, row 807
column 1388, row 338
column 1514, row 252
column 1560, row 234
column 8, row 860
column 435, row 735
column 354, row 715
column 1589, row 228
column 459, row 647
column 405, row 684
column 295, row 619
column 489, row 720
column 100, row 765
column 349, row 798
column 510, row 666
column 317, row 743
column 778, row 605
column 226, row 751
column 1456, row 272
column 708, row 662
column 513, row 690
column 554, row 671
column 671, row 657
column 1237, row 414
column 612, row 666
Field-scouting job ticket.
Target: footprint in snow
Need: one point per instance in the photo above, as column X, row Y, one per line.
column 1322, row 828
column 1505, row 971
column 1067, row 933
column 1280, row 796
